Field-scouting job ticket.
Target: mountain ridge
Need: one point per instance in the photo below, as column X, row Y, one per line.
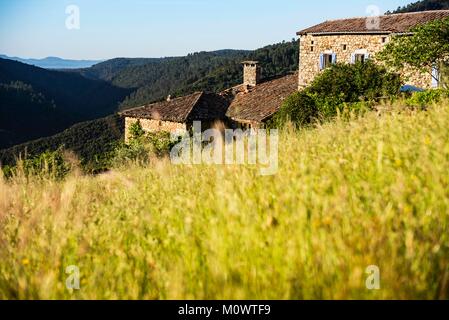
column 54, row 62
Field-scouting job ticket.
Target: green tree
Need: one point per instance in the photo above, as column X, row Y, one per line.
column 342, row 86
column 426, row 48
column 136, row 131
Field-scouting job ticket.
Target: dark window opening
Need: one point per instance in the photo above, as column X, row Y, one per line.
column 360, row 58
column 327, row 59
column 345, row 47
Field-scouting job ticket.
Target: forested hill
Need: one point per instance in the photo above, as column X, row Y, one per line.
column 36, row 102
column 423, row 5
column 154, row 79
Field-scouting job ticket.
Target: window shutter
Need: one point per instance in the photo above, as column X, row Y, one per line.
column 353, row 58
column 435, row 77
column 321, row 61
column 334, row 58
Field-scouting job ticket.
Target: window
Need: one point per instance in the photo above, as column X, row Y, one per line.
column 359, row 57
column 345, row 47
column 384, row 39
column 435, row 77
column 311, row 48
column 312, row 42
column 327, row 59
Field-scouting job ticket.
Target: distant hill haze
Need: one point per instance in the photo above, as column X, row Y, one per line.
column 55, row 62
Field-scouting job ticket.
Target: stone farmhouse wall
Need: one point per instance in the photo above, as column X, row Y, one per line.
column 344, row 46
column 149, row 125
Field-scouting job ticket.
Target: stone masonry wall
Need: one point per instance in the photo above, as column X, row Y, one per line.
column 149, row 125
column 344, row 46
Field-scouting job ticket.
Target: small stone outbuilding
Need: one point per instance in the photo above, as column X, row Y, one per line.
column 178, row 113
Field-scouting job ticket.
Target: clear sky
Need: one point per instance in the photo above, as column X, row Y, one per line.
column 157, row 28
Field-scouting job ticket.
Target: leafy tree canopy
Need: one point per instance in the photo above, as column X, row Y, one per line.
column 423, row 6
column 426, row 47
column 338, row 86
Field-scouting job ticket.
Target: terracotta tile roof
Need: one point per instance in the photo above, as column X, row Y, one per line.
column 263, row 100
column 394, row 23
column 253, row 105
column 197, row 106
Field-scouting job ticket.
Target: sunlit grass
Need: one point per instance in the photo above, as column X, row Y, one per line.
column 371, row 191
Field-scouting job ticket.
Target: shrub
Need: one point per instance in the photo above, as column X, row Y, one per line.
column 136, row 131
column 299, row 108
column 140, row 149
column 49, row 164
column 160, row 143
column 134, row 151
column 425, row 98
column 339, row 87
column 355, row 82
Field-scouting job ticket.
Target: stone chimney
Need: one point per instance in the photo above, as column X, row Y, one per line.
column 251, row 73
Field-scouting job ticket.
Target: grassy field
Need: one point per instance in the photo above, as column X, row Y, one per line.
column 371, row 191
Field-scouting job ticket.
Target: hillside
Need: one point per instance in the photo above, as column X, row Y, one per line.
column 36, row 102
column 348, row 195
column 423, row 5
column 90, row 141
column 154, row 79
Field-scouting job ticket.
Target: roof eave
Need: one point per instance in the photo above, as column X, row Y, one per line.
column 302, row 33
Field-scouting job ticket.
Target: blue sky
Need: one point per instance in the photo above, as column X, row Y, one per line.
column 157, row 28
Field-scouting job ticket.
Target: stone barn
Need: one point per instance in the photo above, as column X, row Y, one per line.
column 178, row 113
column 359, row 39
column 248, row 105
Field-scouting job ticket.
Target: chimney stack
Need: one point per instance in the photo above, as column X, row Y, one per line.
column 251, row 73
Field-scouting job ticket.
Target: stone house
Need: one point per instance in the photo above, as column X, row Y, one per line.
column 256, row 100
column 247, row 105
column 358, row 39
column 177, row 114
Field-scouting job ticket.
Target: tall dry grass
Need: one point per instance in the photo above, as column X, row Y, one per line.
column 348, row 194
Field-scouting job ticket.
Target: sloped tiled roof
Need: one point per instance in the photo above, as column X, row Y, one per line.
column 393, row 23
column 254, row 104
column 263, row 100
column 197, row 106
